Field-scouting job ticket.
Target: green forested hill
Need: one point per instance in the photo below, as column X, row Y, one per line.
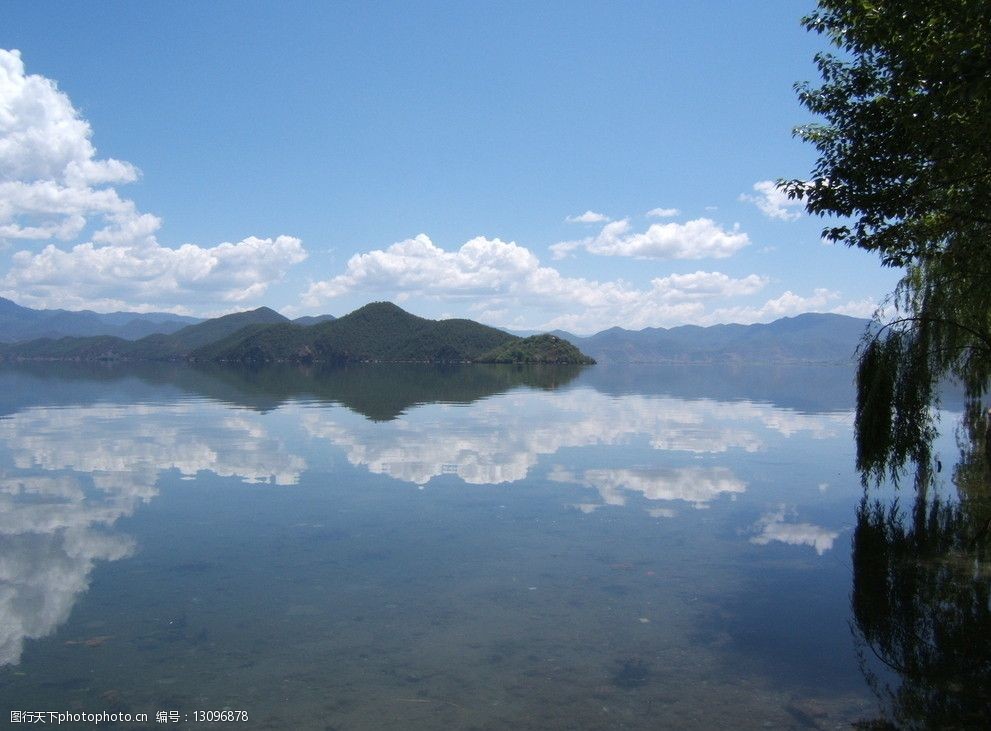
column 380, row 331
column 544, row 348
column 196, row 336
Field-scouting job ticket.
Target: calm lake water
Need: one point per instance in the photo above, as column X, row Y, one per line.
column 388, row 547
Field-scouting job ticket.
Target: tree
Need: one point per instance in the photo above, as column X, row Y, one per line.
column 904, row 162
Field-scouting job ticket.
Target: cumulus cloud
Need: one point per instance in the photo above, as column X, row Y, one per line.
column 701, row 238
column 507, row 273
column 790, row 304
column 54, row 188
column 588, row 217
column 563, row 249
column 141, row 277
column 41, row 135
column 857, row 308
column 418, row 265
column 708, row 284
column 773, row 202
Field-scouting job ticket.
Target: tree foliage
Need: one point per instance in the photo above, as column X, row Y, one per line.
column 904, row 141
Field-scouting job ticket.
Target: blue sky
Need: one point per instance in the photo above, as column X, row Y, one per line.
column 529, row 165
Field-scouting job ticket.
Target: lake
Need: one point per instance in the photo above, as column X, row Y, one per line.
column 414, row 547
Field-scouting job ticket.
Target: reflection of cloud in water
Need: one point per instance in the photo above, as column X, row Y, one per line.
column 772, row 527
column 136, row 443
column 417, row 454
column 498, row 440
column 50, row 539
column 696, row 485
column 53, row 527
column 661, row 513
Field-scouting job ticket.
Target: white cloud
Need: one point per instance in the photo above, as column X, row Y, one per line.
column 563, row 249
column 857, row 308
column 663, row 212
column 701, row 238
column 54, row 188
column 774, row 202
column 511, row 277
column 790, row 304
column 708, row 284
column 587, row 217
column 41, row 135
column 418, row 265
column 145, row 277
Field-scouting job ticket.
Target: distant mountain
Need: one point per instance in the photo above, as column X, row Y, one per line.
column 308, row 320
column 174, row 346
column 19, row 324
column 379, row 332
column 196, row 336
column 808, row 338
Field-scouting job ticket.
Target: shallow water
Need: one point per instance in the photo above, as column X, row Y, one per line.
column 409, row 547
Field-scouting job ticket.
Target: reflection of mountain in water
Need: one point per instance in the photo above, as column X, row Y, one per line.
column 380, row 391
column 377, row 391
column 383, row 391
column 805, row 388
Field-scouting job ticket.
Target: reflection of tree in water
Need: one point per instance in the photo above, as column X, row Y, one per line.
column 922, row 597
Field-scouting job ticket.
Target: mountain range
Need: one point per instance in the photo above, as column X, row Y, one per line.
column 377, row 332
column 19, row 323
column 383, row 332
column 807, row 338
